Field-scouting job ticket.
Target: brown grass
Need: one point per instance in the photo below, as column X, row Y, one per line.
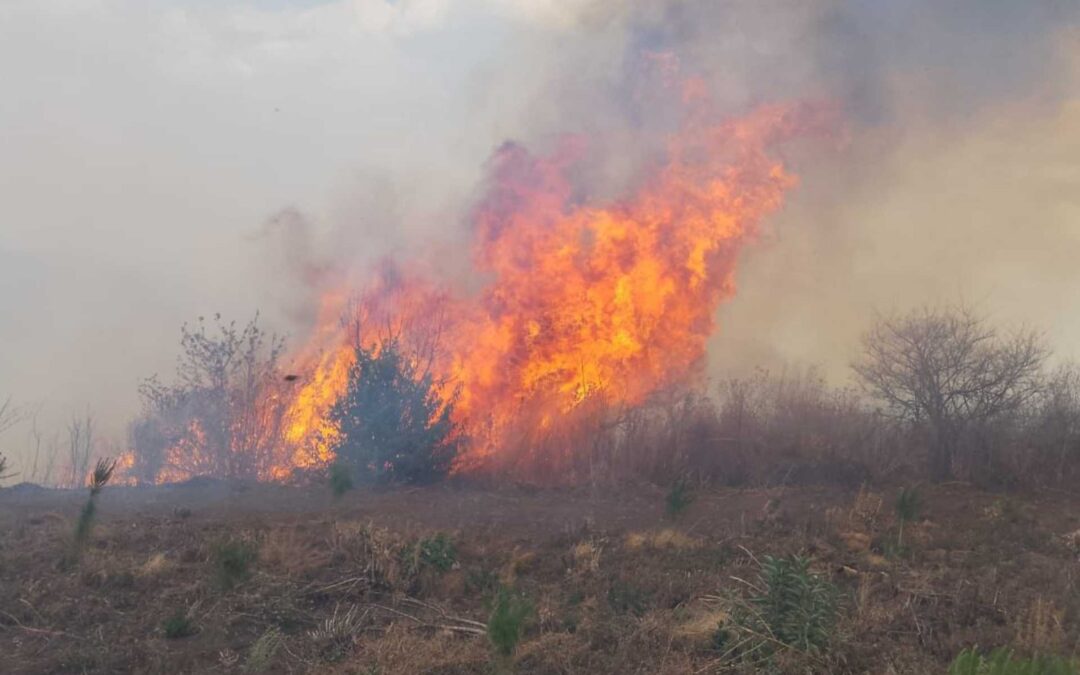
column 626, row 594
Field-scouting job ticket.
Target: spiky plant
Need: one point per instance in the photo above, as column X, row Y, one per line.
column 908, row 506
column 790, row 607
column 99, row 478
column 507, row 622
column 798, row 606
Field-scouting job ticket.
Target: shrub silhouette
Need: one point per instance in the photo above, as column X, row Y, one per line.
column 394, row 425
column 340, row 479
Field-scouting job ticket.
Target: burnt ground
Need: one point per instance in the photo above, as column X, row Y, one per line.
column 617, row 584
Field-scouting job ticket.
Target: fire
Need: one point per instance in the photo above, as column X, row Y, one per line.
column 581, row 301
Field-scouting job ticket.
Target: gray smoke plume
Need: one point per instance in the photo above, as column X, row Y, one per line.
column 164, row 160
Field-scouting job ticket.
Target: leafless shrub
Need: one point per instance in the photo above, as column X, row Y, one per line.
column 10, row 415
column 949, row 373
column 44, row 451
column 1040, row 443
column 80, row 448
column 222, row 415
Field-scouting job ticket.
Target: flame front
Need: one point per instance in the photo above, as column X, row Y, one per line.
column 581, row 301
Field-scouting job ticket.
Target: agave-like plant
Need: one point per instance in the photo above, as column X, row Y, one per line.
column 908, row 505
column 99, row 478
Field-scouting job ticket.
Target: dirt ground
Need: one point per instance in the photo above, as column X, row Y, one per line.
column 617, row 584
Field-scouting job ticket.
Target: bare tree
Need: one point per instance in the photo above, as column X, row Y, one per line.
column 948, row 370
column 44, row 450
column 80, row 447
column 223, row 414
column 10, row 415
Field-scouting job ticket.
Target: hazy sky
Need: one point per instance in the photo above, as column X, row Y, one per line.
column 146, row 146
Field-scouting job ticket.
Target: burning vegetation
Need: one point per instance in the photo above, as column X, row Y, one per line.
column 585, row 310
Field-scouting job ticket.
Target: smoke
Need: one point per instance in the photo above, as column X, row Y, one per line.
column 167, row 160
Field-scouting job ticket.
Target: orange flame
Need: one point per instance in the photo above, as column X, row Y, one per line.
column 580, row 301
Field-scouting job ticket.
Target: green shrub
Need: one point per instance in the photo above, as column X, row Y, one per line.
column 179, row 625
column 790, row 606
column 679, row 498
column 1002, row 662
column 340, row 479
column 437, row 551
column 507, row 622
column 233, row 559
column 395, row 426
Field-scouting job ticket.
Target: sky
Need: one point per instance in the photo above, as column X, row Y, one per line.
column 162, row 160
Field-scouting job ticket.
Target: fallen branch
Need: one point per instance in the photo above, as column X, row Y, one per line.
column 30, row 629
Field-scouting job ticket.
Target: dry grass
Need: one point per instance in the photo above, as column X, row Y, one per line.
column 586, row 556
column 332, row 592
column 1040, row 627
column 659, row 540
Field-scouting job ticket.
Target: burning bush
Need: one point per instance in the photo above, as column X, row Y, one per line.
column 223, row 415
column 393, row 425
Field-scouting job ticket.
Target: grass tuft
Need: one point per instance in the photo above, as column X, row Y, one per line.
column 261, row 655
column 1002, row 662
column 178, row 625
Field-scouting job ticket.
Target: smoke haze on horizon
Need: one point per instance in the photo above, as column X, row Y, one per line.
column 159, row 157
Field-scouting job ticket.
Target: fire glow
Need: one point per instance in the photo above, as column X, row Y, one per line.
column 581, row 301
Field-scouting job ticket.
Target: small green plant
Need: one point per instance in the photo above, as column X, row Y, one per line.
column 178, row 625
column 438, row 552
column 509, row 615
column 790, row 606
column 625, row 598
column 1002, row 662
column 261, row 655
column 232, row 561
column 908, row 506
column 679, row 498
column 340, row 479
column 100, row 477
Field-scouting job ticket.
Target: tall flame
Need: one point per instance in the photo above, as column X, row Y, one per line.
column 581, row 300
